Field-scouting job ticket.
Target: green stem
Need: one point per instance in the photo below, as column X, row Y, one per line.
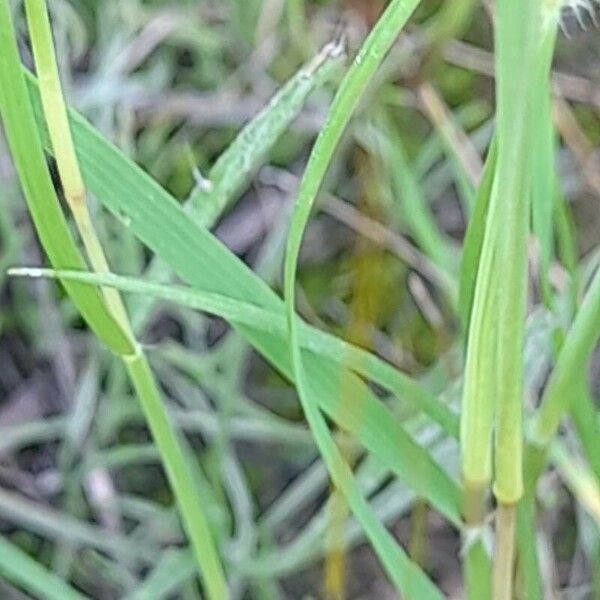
column 25, row 146
column 30, row 163
column 344, row 104
column 179, row 474
column 505, row 552
column 517, row 57
column 64, row 149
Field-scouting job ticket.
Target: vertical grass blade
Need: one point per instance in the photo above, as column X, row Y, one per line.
column 474, row 240
column 26, row 148
column 517, row 48
column 404, row 574
column 544, row 189
column 166, row 437
column 494, row 367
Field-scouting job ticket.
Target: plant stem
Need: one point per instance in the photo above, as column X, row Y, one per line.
column 476, row 564
column 62, row 141
column 30, row 163
column 345, row 102
column 179, row 474
column 505, row 551
column 166, row 437
column 475, row 505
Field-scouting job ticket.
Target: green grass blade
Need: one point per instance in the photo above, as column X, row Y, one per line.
column 474, row 240
column 399, row 452
column 240, row 312
column 156, row 218
column 405, row 575
column 201, row 260
column 516, row 53
column 569, row 367
column 544, row 183
column 168, row 440
column 30, row 575
column 236, row 165
column 191, row 497
column 28, row 155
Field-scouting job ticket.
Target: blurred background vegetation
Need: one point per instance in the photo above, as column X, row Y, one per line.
column 171, row 83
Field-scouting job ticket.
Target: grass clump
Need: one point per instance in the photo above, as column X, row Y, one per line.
column 466, row 201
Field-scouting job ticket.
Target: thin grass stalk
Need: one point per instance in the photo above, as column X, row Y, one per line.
column 516, row 45
column 504, row 552
column 64, row 149
column 345, row 102
column 585, row 329
column 545, row 192
column 166, row 437
column 517, row 58
column 53, row 231
column 493, row 386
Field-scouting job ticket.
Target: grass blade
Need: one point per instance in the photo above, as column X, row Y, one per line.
column 474, row 240
column 166, row 437
column 194, row 254
column 198, row 258
column 247, row 152
column 20, row 568
column 24, row 142
column 407, row 459
column 405, row 575
column 571, row 361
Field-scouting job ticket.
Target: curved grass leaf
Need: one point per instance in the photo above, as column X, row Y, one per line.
column 474, row 240
column 193, row 253
column 371, row 419
column 407, row 578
